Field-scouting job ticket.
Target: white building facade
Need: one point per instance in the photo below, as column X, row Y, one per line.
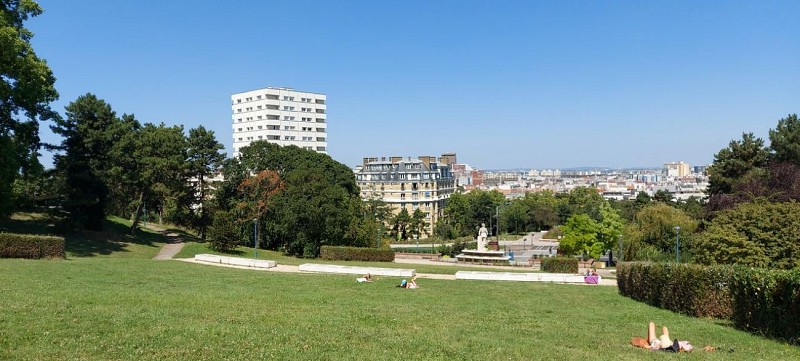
column 282, row 116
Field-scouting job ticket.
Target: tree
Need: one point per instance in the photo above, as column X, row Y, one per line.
column 663, row 196
column 582, row 200
column 418, row 224
column 580, row 236
column 652, row 235
column 610, row 227
column 26, row 91
column 204, row 160
column 319, row 205
column 257, row 192
column 734, row 163
column 225, row 232
column 89, row 134
column 400, row 224
column 785, row 140
column 759, row 234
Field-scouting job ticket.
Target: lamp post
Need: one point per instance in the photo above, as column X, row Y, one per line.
column 677, row 244
column 619, row 255
column 255, row 238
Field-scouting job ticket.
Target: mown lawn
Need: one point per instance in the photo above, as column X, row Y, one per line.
column 105, row 308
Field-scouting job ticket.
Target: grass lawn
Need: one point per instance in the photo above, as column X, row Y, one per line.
column 109, row 301
column 126, row 308
column 192, row 248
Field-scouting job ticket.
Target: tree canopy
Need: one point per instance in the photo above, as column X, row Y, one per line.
column 26, row 91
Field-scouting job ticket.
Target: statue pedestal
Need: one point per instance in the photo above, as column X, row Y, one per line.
column 483, row 257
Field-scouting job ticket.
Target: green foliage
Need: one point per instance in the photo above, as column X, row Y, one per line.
column 757, row 300
column 767, row 301
column 653, row 233
column 465, row 212
column 26, row 90
column 418, row 224
column 734, row 163
column 356, row 254
column 581, row 236
column 458, row 246
column 690, row 289
column 759, row 234
column 203, row 161
column 400, row 223
column 560, row 264
column 226, row 232
column 785, row 140
column 319, row 205
column 14, row 245
column 581, row 200
column 89, row 132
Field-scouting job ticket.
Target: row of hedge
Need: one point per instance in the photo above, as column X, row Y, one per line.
column 338, row 253
column 13, row 245
column 560, row 264
column 757, row 300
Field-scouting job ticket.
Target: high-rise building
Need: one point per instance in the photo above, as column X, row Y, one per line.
column 677, row 169
column 282, row 116
column 406, row 183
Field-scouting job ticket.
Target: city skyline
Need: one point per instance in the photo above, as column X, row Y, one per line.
column 541, row 85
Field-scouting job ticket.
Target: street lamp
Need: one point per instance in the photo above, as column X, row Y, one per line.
column 255, row 238
column 677, row 244
column 619, row 255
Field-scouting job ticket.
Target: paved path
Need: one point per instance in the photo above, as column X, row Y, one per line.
column 170, row 249
column 295, row 269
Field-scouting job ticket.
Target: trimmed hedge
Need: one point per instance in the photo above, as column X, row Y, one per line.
column 337, row 253
column 13, row 245
column 560, row 264
column 756, row 300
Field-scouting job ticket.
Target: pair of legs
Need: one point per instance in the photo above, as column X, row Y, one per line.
column 651, row 332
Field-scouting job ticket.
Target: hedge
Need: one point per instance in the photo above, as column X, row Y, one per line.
column 13, row 245
column 337, row 253
column 560, row 264
column 756, row 300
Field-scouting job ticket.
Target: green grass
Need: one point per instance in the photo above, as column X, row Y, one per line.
column 190, row 249
column 102, row 308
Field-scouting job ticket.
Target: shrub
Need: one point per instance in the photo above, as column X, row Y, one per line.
column 761, row 300
column 14, row 245
column 225, row 232
column 767, row 301
column 560, row 265
column 337, row 253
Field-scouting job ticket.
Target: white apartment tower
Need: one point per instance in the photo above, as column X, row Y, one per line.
column 282, row 116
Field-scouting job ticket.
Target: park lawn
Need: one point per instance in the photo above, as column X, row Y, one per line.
column 102, row 308
column 190, row 249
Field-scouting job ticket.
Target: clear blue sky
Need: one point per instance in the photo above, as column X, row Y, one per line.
column 504, row 84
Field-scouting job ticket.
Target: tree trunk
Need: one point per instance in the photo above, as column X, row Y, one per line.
column 202, row 207
column 137, row 213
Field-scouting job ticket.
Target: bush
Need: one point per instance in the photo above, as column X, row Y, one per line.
column 767, row 301
column 14, row 245
column 225, row 232
column 337, row 253
column 760, row 300
column 560, row 265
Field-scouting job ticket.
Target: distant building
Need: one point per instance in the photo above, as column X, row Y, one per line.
column 282, row 116
column 677, row 169
column 424, row 183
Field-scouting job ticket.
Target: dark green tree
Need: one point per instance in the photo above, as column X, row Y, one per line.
column 320, row 204
column 663, row 196
column 785, row 140
column 204, row 160
column 736, row 162
column 89, row 132
column 418, row 224
column 26, row 91
column 400, row 223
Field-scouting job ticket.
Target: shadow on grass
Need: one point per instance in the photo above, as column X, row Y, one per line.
column 114, row 237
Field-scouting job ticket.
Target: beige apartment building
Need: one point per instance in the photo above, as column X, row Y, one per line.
column 423, row 183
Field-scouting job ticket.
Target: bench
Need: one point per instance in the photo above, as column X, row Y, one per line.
column 235, row 261
column 356, row 270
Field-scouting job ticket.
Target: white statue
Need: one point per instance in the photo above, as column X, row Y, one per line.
column 482, row 234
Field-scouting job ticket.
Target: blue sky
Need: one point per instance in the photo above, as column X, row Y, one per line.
column 505, row 84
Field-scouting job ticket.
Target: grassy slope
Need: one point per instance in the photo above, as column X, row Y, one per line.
column 100, row 308
column 109, row 300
